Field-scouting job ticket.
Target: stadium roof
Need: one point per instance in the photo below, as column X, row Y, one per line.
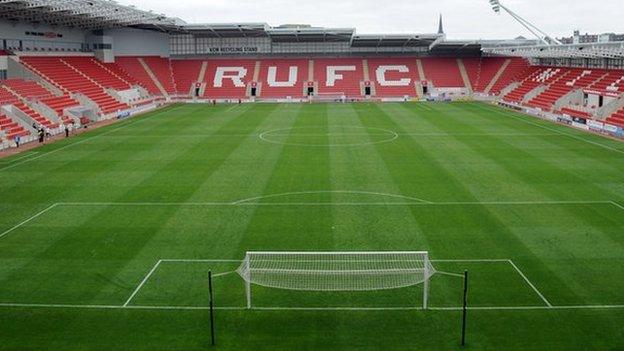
column 84, row 14
column 586, row 50
column 400, row 40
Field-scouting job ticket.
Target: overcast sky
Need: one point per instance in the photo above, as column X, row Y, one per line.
column 463, row 19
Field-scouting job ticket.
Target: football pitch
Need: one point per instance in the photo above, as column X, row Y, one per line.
column 106, row 239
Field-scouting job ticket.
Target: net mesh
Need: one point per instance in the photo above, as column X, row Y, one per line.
column 332, row 97
column 331, row 271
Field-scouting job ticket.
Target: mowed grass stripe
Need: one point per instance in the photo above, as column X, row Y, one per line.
column 530, row 171
column 587, row 139
column 151, row 185
column 493, row 232
column 531, row 174
column 98, row 254
column 298, row 168
column 39, row 183
column 480, row 175
column 544, row 178
column 361, row 168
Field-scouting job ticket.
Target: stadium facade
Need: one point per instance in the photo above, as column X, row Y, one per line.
column 78, row 62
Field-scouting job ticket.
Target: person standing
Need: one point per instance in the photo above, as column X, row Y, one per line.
column 66, row 127
column 41, row 135
column 17, row 140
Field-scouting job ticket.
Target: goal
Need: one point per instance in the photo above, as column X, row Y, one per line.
column 336, row 271
column 329, row 97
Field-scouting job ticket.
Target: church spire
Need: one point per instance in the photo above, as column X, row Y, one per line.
column 440, row 26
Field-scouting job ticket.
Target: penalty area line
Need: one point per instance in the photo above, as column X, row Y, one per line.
column 530, row 284
column 371, row 309
column 136, row 291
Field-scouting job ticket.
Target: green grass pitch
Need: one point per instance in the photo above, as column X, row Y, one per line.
column 106, row 238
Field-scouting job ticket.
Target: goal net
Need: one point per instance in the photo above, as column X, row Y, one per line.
column 329, row 97
column 336, row 271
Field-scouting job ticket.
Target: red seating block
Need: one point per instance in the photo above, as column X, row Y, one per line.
column 443, row 72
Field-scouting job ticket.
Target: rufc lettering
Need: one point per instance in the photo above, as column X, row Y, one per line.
column 239, row 76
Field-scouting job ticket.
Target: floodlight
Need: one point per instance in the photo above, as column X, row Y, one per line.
column 495, row 5
column 540, row 34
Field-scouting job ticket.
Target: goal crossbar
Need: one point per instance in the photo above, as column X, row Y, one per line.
column 336, row 271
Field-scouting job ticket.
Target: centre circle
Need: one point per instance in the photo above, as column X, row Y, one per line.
column 334, row 136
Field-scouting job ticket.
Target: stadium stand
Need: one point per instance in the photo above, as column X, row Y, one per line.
column 517, row 68
column 161, row 68
column 612, row 81
column 27, row 89
column 351, row 71
column 59, row 104
column 186, row 73
column 474, row 68
column 132, row 67
column 443, row 72
column 276, row 81
column 536, row 76
column 397, row 81
column 90, row 67
column 10, row 128
column 228, row 79
column 617, row 118
column 8, row 98
column 575, row 112
column 33, row 91
column 116, row 70
column 569, row 80
column 71, row 80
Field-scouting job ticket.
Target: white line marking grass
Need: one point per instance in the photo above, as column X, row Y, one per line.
column 28, row 220
column 127, row 306
column 417, row 202
column 25, row 155
column 449, row 274
column 332, row 192
column 524, row 120
column 530, row 284
column 89, row 138
column 364, row 309
column 136, row 291
column 239, row 203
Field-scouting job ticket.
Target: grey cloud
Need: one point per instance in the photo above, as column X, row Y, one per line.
column 464, row 19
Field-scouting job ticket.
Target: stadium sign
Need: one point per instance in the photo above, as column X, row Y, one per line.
column 233, row 50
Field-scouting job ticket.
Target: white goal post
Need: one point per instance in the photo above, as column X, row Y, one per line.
column 329, row 97
column 337, row 271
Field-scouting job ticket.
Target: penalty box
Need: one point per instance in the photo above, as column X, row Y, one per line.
column 184, row 283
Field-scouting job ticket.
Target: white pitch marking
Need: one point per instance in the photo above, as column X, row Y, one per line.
column 417, row 202
column 617, row 205
column 571, row 202
column 87, row 138
column 478, row 134
column 330, row 192
column 473, row 260
column 199, row 260
column 203, row 308
column 557, row 131
column 28, row 219
column 136, row 291
column 450, row 274
column 391, row 134
column 530, row 284
column 28, row 154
